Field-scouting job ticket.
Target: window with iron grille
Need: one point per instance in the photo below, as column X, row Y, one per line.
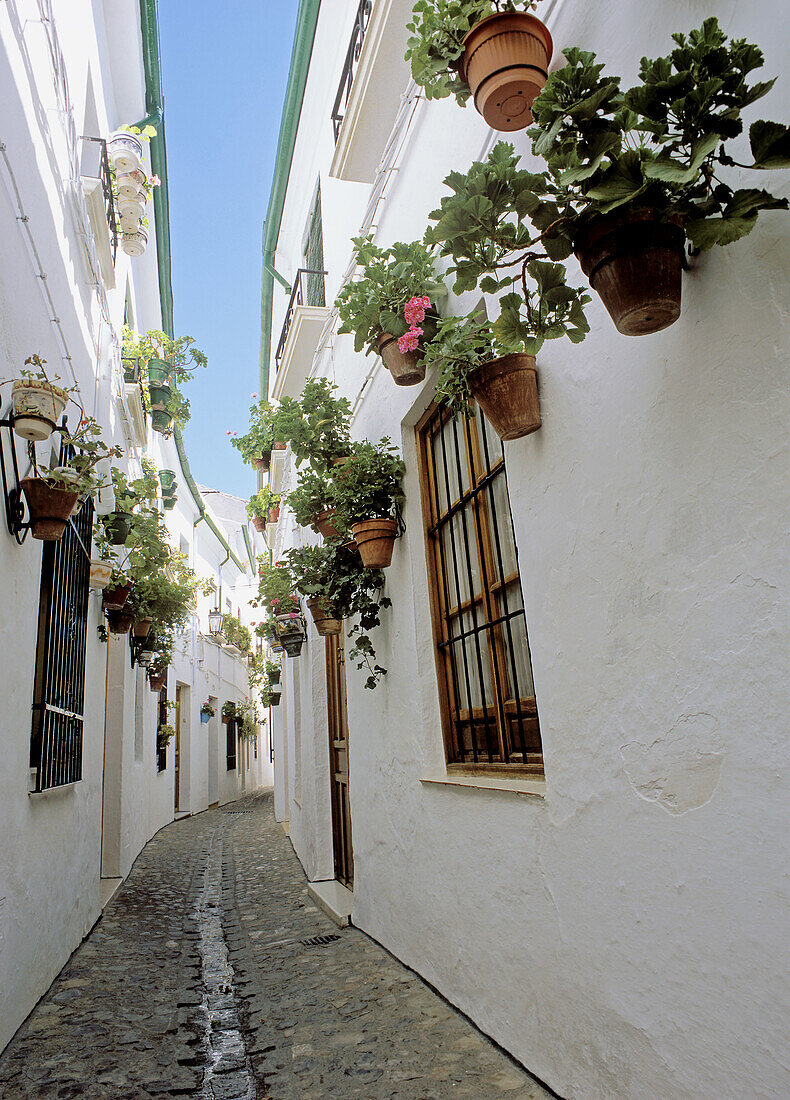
column 230, row 745
column 314, row 257
column 489, row 714
column 161, row 746
column 59, row 688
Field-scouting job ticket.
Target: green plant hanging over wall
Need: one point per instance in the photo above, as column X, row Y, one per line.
column 166, row 363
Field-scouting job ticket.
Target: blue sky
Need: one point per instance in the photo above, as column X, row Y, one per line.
column 224, row 72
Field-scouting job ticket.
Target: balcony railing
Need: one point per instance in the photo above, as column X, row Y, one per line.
column 361, row 21
column 95, row 163
column 308, row 290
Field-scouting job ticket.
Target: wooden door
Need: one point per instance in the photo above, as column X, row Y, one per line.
column 177, row 752
column 338, row 759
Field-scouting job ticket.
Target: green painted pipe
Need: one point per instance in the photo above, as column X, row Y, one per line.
column 306, row 21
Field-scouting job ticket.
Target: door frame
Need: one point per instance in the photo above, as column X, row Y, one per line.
column 337, row 731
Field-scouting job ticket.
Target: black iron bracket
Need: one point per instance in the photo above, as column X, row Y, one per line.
column 136, row 647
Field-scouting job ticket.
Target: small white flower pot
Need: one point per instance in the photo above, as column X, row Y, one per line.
column 131, row 210
column 130, row 184
column 135, row 241
column 125, row 151
column 101, row 571
column 38, row 406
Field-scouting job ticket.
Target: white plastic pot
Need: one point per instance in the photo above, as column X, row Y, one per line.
column 125, row 151
column 38, row 406
column 101, row 571
column 130, row 184
column 131, row 210
column 135, row 241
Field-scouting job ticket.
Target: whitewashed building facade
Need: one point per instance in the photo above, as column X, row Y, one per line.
column 70, row 71
column 618, row 923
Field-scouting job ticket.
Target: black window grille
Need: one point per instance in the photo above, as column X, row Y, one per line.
column 59, row 688
column 230, row 745
column 490, row 715
column 161, row 746
column 353, row 52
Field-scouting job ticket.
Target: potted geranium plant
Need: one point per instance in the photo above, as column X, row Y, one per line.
column 313, row 502
column 125, row 147
column 228, row 710
column 37, row 401
column 316, row 425
column 494, row 50
column 166, row 364
column 368, row 495
column 256, row 445
column 632, row 175
column 207, row 712
column 338, row 586
column 391, row 307
column 263, row 508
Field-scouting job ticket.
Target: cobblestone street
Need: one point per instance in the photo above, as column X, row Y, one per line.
column 203, row 978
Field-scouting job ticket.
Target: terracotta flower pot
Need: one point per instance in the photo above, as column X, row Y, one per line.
column 324, row 525
column 375, row 539
column 119, row 620
column 634, row 262
column 274, row 513
column 506, row 389
column 156, row 683
column 142, row 626
column 259, row 523
column 506, row 64
column 406, row 367
column 49, row 508
column 261, row 463
column 116, row 596
column 323, row 617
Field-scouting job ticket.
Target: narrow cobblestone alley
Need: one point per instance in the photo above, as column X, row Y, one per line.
column 203, row 978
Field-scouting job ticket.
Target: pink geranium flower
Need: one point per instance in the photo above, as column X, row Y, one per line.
column 414, row 310
column 154, row 181
column 410, row 340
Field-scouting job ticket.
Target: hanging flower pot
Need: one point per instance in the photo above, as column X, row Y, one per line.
column 131, row 209
column 324, row 525
column 114, row 598
column 506, row 389
column 275, row 676
column 324, row 617
column 38, row 406
column 142, row 626
column 274, row 698
column 125, row 151
column 160, row 395
column 406, row 367
column 505, row 63
column 634, row 262
column 274, row 513
column 135, row 241
column 159, row 373
column 130, row 184
column 49, row 508
column 156, row 683
column 167, row 479
column 259, row 523
column 204, row 718
column 161, row 421
column 292, row 646
column 100, row 574
column 169, row 503
column 119, row 620
column 118, row 527
column 375, row 539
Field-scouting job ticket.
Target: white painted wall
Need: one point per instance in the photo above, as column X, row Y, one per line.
column 53, row 852
column 621, row 934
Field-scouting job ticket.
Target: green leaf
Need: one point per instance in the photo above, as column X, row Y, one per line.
column 622, row 183
column 770, row 144
column 664, row 167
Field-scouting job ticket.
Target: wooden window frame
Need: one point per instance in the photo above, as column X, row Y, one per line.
column 477, row 507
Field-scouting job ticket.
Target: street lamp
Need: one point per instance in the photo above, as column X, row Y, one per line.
column 215, row 621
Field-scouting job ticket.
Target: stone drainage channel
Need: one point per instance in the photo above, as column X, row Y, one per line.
column 228, row 1073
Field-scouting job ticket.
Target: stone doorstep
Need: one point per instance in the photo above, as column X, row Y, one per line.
column 335, row 900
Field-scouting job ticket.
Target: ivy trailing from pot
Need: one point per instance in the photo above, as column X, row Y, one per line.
column 337, row 586
column 368, row 495
column 373, row 306
column 316, row 425
column 634, row 174
column 166, row 364
column 493, row 50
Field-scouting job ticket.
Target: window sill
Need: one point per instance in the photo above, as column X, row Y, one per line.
column 532, row 787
